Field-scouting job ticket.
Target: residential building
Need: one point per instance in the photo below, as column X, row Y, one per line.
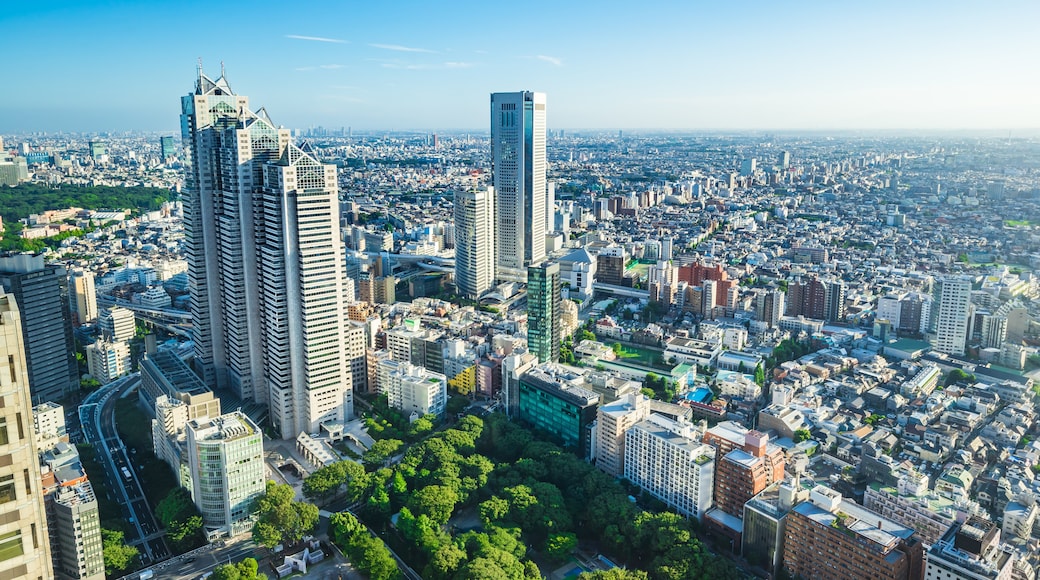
column 665, row 458
column 948, row 326
column 831, row 538
column 24, row 549
column 41, row 292
column 613, row 420
column 412, row 389
column 226, row 460
column 49, row 425
column 518, row 166
column 265, row 262
column 74, row 521
column 578, row 273
column 107, row 361
column 543, row 311
column 83, row 306
column 474, row 242
column 745, row 472
column 912, row 504
column 117, row 324
column 970, row 550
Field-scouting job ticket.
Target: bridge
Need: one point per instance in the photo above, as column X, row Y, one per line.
column 621, row 290
column 174, row 321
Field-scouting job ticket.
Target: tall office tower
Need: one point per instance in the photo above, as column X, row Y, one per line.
column 665, row 458
column 265, row 262
column 41, row 292
column 748, row 166
column 167, row 148
column 518, row 175
column 97, row 149
column 24, row 549
column 784, row 159
column 831, row 538
column 82, row 297
column 613, row 420
column 543, row 311
column 117, row 324
column 951, row 308
column 474, row 242
column 226, row 459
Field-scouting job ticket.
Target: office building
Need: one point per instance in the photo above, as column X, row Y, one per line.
column 117, row 324
column 167, row 148
column 265, row 267
column 765, row 521
column 74, row 522
column 557, row 401
column 41, row 292
column 226, row 459
column 107, row 361
column 970, row 550
column 610, row 266
column 951, row 309
column 518, row 166
column 82, row 297
column 412, row 389
column 784, row 159
column 355, row 342
column 24, row 549
column 13, row 169
column 613, row 420
column 98, row 150
column 474, row 242
column 543, row 311
column 665, row 458
column 831, row 538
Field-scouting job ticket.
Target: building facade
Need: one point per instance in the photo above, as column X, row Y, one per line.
column 951, row 303
column 474, row 242
column 665, row 459
column 82, row 297
column 226, row 460
column 543, row 311
column 613, row 421
column 24, row 549
column 518, row 166
column 552, row 399
column 107, row 361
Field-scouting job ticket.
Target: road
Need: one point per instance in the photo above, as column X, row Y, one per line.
column 98, row 420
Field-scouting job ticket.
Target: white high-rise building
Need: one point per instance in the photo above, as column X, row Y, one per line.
column 950, row 314
column 413, row 389
column 518, row 166
column 107, row 361
column 82, row 297
column 226, row 461
column 667, row 459
column 613, row 421
column 117, row 324
column 265, row 263
column 474, row 242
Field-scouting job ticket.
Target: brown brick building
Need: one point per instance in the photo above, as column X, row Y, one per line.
column 744, row 472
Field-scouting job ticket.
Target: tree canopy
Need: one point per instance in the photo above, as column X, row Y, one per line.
column 118, row 556
column 280, row 519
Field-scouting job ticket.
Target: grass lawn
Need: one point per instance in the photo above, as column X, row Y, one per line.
column 1017, row 223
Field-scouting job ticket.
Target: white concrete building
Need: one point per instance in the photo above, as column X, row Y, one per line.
column 948, row 328
column 117, row 324
column 667, row 459
column 613, row 421
column 474, row 242
column 413, row 389
column 82, row 297
column 107, row 361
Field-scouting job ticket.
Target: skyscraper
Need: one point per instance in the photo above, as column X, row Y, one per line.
column 474, row 242
column 41, row 291
column 265, row 262
column 167, row 149
column 24, row 549
column 951, row 308
column 543, row 311
column 518, row 175
column 82, row 297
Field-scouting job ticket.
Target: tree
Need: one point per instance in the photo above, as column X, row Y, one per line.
column 760, row 375
column 280, row 519
column 118, row 556
column 586, row 335
column 247, row 569
column 617, row 348
column 958, row 376
column 182, row 520
column 802, row 435
column 560, row 546
column 614, row 574
column 381, row 451
column 435, row 501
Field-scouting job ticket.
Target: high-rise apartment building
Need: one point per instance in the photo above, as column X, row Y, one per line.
column 107, row 361
column 265, row 262
column 951, row 309
column 613, row 420
column 82, row 297
column 474, row 242
column 24, row 549
column 744, row 472
column 226, row 461
column 41, row 291
column 665, row 458
column 543, row 311
column 831, row 538
column 518, row 166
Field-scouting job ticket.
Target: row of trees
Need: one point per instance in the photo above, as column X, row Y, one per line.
column 367, row 553
column 22, row 200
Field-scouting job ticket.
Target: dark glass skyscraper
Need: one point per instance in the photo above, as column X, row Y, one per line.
column 543, row 311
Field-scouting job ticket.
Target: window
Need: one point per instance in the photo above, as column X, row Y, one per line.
column 11, row 545
column 7, row 492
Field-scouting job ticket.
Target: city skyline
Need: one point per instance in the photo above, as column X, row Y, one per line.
column 696, row 67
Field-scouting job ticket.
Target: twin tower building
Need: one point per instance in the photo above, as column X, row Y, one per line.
column 266, row 265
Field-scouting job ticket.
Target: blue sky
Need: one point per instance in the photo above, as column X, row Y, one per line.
column 122, row 65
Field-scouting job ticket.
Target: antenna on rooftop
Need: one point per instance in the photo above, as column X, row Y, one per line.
column 198, row 72
column 221, row 68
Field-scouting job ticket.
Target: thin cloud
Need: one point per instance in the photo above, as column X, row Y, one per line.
column 555, row 61
column 400, row 48
column 438, row 66
column 316, row 38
